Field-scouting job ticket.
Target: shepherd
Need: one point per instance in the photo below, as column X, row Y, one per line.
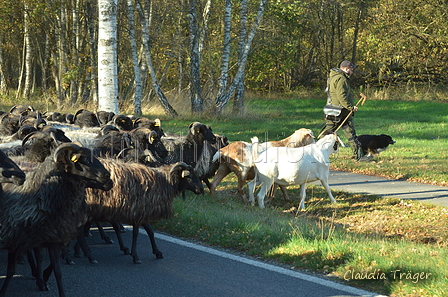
column 340, row 107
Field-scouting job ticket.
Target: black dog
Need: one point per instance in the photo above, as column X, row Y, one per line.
column 374, row 144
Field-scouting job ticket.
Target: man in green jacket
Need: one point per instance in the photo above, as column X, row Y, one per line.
column 340, row 94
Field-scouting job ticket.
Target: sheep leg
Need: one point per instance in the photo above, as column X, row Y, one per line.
column 134, row 255
column 10, row 271
column 32, row 262
column 207, row 183
column 54, row 251
column 103, row 234
column 40, row 280
column 82, row 243
column 155, row 249
column 118, row 232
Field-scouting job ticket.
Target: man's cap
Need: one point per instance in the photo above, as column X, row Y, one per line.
column 347, row 64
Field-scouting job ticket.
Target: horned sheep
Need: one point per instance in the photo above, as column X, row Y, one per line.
column 35, row 215
column 140, row 195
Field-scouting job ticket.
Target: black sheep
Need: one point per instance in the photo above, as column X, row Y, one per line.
column 36, row 215
column 188, row 148
column 140, row 195
column 86, row 119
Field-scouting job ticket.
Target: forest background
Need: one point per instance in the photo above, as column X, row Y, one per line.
column 48, row 49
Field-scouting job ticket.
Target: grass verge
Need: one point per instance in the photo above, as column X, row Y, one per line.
column 384, row 245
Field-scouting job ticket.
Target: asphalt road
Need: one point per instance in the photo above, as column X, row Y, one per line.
column 358, row 183
column 187, row 269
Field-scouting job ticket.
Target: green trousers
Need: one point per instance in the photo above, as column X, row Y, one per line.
column 349, row 131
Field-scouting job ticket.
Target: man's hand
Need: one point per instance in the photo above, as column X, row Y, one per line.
column 355, row 108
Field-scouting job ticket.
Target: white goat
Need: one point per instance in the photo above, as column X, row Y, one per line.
column 292, row 166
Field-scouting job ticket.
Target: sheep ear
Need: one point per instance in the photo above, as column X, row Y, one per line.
column 185, row 173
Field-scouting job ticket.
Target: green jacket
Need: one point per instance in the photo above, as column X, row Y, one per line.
column 339, row 90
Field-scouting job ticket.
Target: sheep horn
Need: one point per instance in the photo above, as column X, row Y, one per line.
column 194, row 127
column 68, row 146
column 179, row 165
column 119, row 117
column 152, row 136
column 78, row 113
column 13, row 108
column 36, row 134
column 3, row 116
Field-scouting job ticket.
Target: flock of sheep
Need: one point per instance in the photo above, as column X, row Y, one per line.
column 61, row 173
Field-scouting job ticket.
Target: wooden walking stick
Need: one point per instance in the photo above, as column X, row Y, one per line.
column 362, row 101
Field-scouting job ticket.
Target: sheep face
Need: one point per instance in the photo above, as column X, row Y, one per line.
column 202, row 132
column 186, row 178
column 9, row 171
column 80, row 163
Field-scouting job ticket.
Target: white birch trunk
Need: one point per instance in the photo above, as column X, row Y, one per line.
column 3, row 83
column 28, row 56
column 107, row 56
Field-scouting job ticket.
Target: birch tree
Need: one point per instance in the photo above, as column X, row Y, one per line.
column 107, row 56
column 222, row 99
column 26, row 71
column 169, row 110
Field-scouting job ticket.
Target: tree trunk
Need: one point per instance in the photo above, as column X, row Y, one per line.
column 356, row 30
column 107, row 56
column 93, row 74
column 225, row 50
column 238, row 99
column 134, row 56
column 195, row 80
column 169, row 110
column 221, row 101
column 28, row 56
column 3, row 82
